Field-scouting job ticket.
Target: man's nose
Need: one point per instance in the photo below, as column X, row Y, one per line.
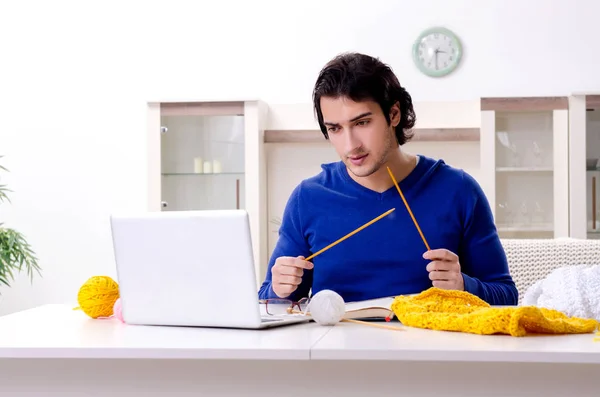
column 351, row 141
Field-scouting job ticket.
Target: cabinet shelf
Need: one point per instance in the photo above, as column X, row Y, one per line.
column 202, row 174
column 531, row 228
column 524, row 169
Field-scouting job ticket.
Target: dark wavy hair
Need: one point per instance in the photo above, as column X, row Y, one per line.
column 361, row 77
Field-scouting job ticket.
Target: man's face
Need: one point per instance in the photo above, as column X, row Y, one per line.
column 360, row 133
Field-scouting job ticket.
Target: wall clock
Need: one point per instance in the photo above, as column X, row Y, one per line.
column 437, row 52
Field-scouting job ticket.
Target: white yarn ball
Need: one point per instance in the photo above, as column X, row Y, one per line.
column 327, row 307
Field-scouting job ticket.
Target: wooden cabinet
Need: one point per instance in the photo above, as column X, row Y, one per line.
column 209, row 156
column 584, row 165
column 528, row 154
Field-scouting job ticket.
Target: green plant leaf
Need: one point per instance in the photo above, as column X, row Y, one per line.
column 16, row 254
column 3, row 195
column 3, row 188
column 6, row 268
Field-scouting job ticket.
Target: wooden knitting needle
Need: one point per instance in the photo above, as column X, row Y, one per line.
column 348, row 320
column 408, row 208
column 350, row 234
column 382, row 326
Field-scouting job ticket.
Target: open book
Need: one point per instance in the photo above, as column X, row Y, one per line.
column 376, row 309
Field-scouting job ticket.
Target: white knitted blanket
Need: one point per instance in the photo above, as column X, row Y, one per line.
column 573, row 290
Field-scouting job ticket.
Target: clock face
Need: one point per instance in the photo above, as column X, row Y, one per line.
column 437, row 52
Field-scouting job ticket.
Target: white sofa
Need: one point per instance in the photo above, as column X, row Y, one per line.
column 532, row 260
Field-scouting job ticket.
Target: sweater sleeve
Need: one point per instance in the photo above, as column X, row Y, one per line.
column 292, row 243
column 482, row 258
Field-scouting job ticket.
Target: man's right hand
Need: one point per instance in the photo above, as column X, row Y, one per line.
column 286, row 274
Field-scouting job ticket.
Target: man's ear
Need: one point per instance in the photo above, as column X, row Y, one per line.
column 395, row 114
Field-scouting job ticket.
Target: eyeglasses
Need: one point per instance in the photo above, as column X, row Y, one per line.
column 276, row 307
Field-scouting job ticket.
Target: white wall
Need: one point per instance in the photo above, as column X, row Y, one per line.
column 74, row 80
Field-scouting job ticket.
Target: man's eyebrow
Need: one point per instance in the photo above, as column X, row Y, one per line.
column 360, row 116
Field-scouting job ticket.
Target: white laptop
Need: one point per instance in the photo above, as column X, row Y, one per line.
column 189, row 268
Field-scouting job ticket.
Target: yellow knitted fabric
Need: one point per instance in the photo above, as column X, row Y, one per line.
column 461, row 311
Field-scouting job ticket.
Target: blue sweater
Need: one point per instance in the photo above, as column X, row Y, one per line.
column 385, row 259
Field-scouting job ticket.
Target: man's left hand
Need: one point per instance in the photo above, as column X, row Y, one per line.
column 444, row 269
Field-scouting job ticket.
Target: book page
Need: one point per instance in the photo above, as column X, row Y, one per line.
column 384, row 303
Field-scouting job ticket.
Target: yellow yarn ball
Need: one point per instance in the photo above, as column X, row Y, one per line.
column 97, row 296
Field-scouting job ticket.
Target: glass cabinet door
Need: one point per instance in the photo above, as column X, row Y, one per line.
column 524, row 174
column 525, row 163
column 593, row 170
column 202, row 162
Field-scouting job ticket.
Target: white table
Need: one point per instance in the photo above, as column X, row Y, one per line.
column 55, row 351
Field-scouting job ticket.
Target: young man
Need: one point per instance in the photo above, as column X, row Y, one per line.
column 367, row 116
